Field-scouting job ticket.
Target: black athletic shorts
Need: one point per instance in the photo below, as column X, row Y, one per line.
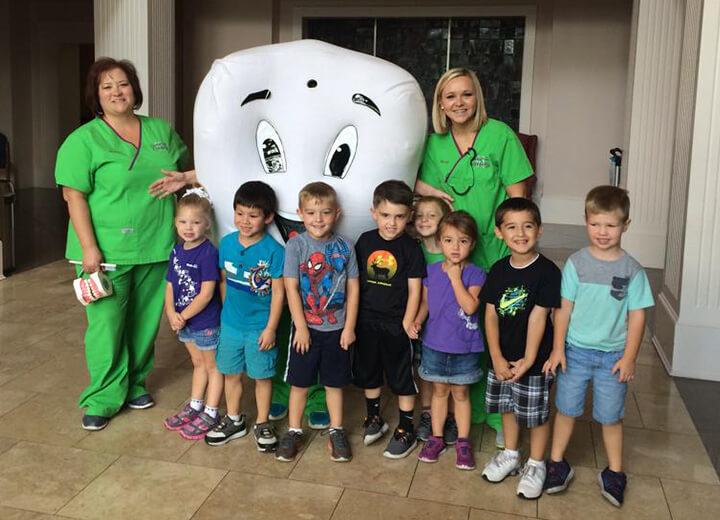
column 383, row 351
column 325, row 359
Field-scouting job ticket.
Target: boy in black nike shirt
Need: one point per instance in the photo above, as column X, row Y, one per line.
column 519, row 294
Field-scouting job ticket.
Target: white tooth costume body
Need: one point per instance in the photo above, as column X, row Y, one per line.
column 293, row 113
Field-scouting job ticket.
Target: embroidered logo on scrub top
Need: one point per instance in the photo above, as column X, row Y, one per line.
column 481, row 161
column 159, row 146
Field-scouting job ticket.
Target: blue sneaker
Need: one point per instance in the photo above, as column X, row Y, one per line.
column 277, row 411
column 559, row 475
column 319, row 420
column 612, row 486
column 142, row 402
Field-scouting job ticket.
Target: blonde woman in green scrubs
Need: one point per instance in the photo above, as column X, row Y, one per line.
column 104, row 168
column 474, row 163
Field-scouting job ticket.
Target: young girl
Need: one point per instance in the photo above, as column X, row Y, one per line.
column 452, row 340
column 429, row 211
column 192, row 306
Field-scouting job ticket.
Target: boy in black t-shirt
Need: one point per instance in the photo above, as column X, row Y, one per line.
column 520, row 292
column 391, row 266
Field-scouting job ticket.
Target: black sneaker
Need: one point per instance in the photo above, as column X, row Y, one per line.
column 339, row 446
column 424, row 429
column 559, row 475
column 375, row 428
column 265, row 437
column 289, row 446
column 401, row 444
column 226, row 431
column 94, row 422
column 450, row 430
column 142, row 402
column 612, row 486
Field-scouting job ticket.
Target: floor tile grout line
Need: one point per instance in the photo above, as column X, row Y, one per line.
column 227, row 472
column 342, row 493
column 91, row 480
column 667, row 502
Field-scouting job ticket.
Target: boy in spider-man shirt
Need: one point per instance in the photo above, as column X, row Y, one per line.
column 321, row 279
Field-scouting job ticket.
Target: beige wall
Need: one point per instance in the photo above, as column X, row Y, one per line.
column 212, row 29
column 579, row 74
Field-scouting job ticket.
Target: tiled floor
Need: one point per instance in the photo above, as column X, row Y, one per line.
column 51, row 468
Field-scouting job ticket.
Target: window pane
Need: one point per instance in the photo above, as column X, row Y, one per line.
column 352, row 33
column 419, row 45
column 493, row 48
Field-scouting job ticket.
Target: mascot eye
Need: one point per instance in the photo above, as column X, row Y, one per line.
column 342, row 153
column 270, row 148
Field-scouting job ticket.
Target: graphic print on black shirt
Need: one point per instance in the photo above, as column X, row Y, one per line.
column 514, row 293
column 385, row 267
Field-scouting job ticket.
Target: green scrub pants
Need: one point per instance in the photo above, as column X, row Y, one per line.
column 120, row 337
column 281, row 390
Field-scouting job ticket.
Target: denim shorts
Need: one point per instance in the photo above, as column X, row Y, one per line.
column 239, row 352
column 452, row 369
column 585, row 366
column 204, row 339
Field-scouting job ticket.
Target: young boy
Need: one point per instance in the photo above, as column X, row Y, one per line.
column 520, row 291
column 321, row 280
column 598, row 331
column 391, row 271
column 252, row 290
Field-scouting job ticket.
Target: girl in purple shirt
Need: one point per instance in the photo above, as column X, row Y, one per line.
column 452, row 339
column 192, row 307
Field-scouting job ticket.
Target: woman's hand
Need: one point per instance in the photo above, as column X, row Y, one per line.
column 171, row 182
column 423, row 188
column 91, row 259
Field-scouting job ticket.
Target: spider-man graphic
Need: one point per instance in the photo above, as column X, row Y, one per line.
column 323, row 292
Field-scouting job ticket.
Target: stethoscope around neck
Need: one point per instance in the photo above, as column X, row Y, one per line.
column 472, row 154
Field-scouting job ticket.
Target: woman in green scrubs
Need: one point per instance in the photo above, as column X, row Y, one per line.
column 474, row 163
column 104, row 168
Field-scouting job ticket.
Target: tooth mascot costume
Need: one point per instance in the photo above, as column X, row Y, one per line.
column 293, row 113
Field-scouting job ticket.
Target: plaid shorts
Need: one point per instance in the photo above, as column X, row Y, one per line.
column 528, row 399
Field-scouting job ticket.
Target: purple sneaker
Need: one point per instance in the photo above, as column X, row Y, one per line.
column 464, row 458
column 433, row 448
column 180, row 419
column 197, row 429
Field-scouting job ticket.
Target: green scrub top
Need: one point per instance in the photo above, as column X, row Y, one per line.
column 431, row 258
column 478, row 179
column 131, row 227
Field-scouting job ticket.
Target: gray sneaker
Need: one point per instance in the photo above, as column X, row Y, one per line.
column 265, row 437
column 226, row 431
column 401, row 444
column 450, row 430
column 339, row 446
column 375, row 428
column 289, row 446
column 424, row 429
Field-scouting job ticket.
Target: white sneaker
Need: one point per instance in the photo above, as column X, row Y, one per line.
column 531, row 480
column 500, row 466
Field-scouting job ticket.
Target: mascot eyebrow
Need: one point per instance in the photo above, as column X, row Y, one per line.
column 254, row 96
column 358, row 99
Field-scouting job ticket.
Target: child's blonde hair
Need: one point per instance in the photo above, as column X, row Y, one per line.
column 606, row 199
column 432, row 199
column 317, row 191
column 197, row 198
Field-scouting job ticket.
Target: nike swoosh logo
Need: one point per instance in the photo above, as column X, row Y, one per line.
column 504, row 304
